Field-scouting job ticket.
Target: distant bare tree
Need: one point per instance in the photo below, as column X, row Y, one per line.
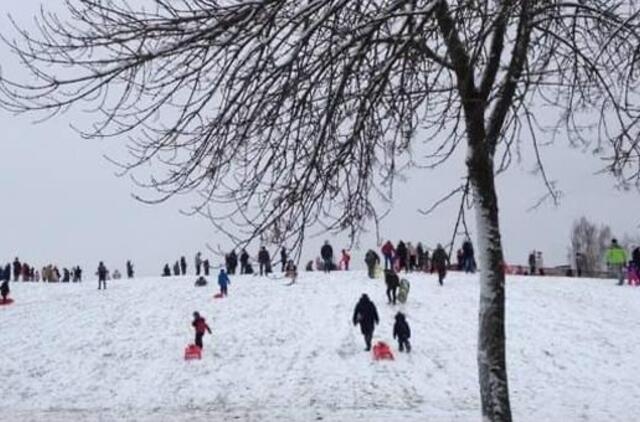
column 591, row 242
column 295, row 113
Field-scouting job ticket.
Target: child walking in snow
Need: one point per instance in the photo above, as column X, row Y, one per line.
column 201, row 326
column 402, row 332
column 223, row 282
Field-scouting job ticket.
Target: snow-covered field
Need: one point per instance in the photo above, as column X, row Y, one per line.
column 73, row 353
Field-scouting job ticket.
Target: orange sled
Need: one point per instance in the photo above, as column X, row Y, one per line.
column 382, row 351
column 192, row 352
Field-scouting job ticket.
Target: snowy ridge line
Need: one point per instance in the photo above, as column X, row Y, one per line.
column 280, row 353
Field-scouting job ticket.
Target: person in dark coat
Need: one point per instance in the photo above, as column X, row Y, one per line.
column 17, row 269
column 102, row 276
column 283, row 258
column 66, row 275
column 420, row 256
column 440, row 260
column 233, row 262
column 176, row 268
column 326, row 252
column 4, row 289
column 201, row 327
column 223, row 282
column 402, row 332
column 129, row 269
column 366, row 314
column 183, row 265
column 468, row 257
column 392, row 281
column 198, row 262
column 402, row 253
column 371, row 259
column 532, row 263
column 244, row 261
column 207, row 267
column 166, row 272
column 264, row 260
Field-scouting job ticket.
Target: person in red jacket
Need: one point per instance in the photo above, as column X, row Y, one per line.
column 387, row 251
column 346, row 258
column 201, row 326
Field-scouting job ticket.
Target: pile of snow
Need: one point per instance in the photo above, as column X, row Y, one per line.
column 71, row 352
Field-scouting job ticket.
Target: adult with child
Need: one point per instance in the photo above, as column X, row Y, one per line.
column 366, row 314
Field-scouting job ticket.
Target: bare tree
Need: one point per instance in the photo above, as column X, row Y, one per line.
column 295, row 113
column 591, row 242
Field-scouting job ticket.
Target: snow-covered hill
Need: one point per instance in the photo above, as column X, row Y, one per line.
column 73, row 353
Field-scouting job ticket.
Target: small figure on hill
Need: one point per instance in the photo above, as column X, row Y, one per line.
column 371, row 259
column 326, row 252
column 102, row 276
column 264, row 261
column 468, row 257
column 402, row 332
column 233, row 262
column 198, row 262
column 420, row 264
column 130, row 272
column 4, row 289
column 392, row 281
column 17, row 269
column 207, row 267
column 291, row 271
column 117, row 275
column 413, row 256
column 66, row 275
column 459, row 260
column 440, row 261
column 387, row 252
column 183, row 265
column 201, row 327
column 309, row 266
column 345, row 260
column 223, row 282
column 244, row 261
column 176, row 268
column 616, row 260
column 635, row 256
column 532, row 263
column 401, row 253
column 366, row 314
column 166, row 272
column 283, row 258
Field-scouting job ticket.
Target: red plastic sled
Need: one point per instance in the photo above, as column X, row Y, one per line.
column 382, row 351
column 8, row 301
column 217, row 296
column 192, row 352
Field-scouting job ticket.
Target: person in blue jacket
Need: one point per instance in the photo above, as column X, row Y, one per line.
column 223, row 282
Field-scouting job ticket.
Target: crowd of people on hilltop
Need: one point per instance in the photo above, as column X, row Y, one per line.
column 23, row 271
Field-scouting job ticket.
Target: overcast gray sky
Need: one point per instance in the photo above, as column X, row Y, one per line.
column 62, row 203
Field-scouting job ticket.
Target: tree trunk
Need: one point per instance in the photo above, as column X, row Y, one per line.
column 491, row 332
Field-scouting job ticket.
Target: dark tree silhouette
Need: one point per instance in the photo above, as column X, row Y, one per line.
column 284, row 114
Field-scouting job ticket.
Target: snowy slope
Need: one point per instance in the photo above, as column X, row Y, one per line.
column 73, row 353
